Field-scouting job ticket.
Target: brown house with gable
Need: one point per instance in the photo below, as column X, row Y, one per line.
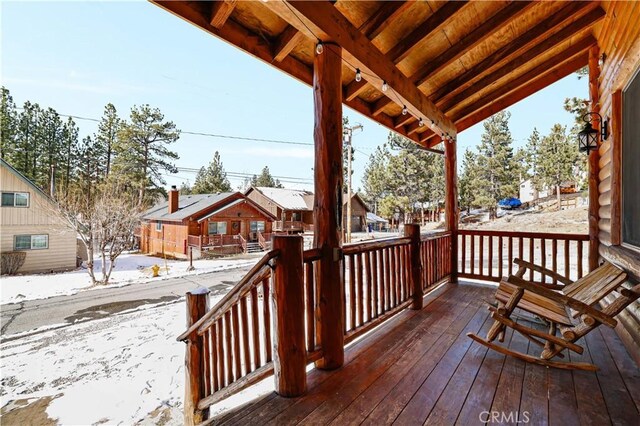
column 223, row 223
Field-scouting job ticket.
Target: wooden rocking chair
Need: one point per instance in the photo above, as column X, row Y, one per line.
column 569, row 307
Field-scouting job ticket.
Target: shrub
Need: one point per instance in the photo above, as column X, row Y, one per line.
column 11, row 261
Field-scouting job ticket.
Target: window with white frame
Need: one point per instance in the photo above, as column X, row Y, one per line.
column 217, row 228
column 31, row 242
column 15, row 199
column 257, row 226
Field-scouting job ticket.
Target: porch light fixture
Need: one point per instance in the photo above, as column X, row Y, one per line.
column 358, row 75
column 404, row 110
column 420, row 123
column 588, row 136
column 385, row 86
column 319, row 47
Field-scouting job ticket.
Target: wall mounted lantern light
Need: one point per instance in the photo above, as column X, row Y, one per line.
column 588, row 136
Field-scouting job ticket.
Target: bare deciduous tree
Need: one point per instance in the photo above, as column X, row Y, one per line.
column 103, row 218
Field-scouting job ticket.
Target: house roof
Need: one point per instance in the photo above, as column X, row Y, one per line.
column 234, row 203
column 287, row 199
column 372, row 217
column 358, row 198
column 188, row 205
column 24, row 179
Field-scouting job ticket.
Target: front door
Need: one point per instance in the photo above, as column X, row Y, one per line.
column 235, row 227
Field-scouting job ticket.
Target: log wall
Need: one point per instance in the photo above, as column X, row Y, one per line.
column 618, row 38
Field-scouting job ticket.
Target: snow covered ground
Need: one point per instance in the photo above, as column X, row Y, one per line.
column 129, row 269
column 124, row 369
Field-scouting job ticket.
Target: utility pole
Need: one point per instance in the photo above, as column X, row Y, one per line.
column 348, row 134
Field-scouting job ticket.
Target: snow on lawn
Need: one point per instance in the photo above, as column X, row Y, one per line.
column 129, row 269
column 122, row 369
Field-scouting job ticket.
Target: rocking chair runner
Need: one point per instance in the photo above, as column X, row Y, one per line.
column 569, row 307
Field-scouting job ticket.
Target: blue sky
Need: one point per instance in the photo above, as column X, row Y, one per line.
column 77, row 56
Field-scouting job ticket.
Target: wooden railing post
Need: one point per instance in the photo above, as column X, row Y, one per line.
column 451, row 202
column 289, row 352
column 197, row 307
column 327, row 208
column 412, row 230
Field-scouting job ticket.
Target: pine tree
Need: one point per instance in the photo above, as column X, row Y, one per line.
column 185, row 189
column 557, row 157
column 25, row 156
column 70, row 153
column 142, row 152
column 50, row 129
column 8, row 125
column 265, row 179
column 467, row 180
column 107, row 136
column 497, row 170
column 212, row 179
column 374, row 180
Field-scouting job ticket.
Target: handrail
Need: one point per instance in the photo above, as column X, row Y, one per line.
column 547, row 235
column 236, row 291
column 312, row 255
column 435, row 235
column 374, row 245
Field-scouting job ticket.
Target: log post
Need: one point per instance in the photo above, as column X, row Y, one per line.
column 197, row 307
column 289, row 352
column 594, row 204
column 327, row 209
column 412, row 230
column 451, row 202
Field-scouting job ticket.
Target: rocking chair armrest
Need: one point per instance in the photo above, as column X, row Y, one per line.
column 524, row 264
column 574, row 304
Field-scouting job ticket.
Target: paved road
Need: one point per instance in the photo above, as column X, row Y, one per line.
column 93, row 304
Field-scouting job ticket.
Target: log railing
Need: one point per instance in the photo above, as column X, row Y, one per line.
column 243, row 243
column 234, row 338
column 435, row 252
column 488, row 255
column 376, row 283
column 264, row 240
column 268, row 323
column 310, row 259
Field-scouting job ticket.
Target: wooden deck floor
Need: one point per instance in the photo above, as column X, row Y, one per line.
column 421, row 368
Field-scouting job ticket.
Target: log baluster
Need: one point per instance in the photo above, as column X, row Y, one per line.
column 197, row 307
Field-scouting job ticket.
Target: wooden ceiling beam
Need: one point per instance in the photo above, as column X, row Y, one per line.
column 405, row 46
column 548, row 66
column 327, row 19
column 289, row 38
column 220, row 12
column 576, row 48
column 492, row 25
column 541, row 31
column 383, row 17
column 403, row 120
column 353, row 89
column 528, row 89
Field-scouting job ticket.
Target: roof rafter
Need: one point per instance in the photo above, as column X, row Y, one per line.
column 289, row 38
column 526, row 90
column 541, row 31
column 404, row 47
column 526, row 57
column 579, row 48
column 489, row 27
column 220, row 12
column 383, row 17
column 330, row 21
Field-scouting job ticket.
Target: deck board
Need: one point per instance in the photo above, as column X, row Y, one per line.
column 420, row 368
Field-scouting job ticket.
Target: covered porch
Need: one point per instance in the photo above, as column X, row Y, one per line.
column 426, row 70
column 421, row 368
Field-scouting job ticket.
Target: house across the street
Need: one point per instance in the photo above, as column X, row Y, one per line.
column 293, row 208
column 223, row 223
column 29, row 225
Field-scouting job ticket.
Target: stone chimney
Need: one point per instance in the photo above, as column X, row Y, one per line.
column 173, row 199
